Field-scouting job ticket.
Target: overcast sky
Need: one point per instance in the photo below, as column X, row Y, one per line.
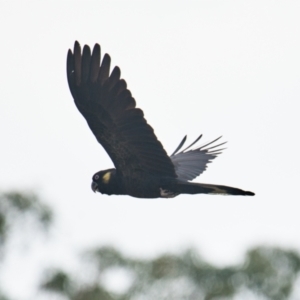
column 229, row 68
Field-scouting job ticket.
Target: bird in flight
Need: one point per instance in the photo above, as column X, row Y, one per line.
column 143, row 169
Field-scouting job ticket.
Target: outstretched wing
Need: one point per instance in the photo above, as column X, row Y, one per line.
column 110, row 111
column 191, row 163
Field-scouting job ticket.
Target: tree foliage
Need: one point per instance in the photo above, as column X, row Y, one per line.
column 16, row 207
column 266, row 273
column 20, row 211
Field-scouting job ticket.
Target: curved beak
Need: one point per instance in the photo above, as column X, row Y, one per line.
column 94, row 187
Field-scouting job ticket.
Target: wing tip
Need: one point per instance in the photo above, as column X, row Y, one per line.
column 106, row 57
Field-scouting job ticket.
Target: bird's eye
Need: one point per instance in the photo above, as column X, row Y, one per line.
column 96, row 177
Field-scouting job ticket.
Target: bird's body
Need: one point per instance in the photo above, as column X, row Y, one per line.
column 140, row 184
column 143, row 168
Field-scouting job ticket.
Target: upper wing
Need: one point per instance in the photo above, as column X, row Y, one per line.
column 109, row 109
column 190, row 164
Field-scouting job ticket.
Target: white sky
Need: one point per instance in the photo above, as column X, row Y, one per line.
column 228, row 68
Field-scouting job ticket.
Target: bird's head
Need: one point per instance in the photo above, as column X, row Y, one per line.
column 102, row 181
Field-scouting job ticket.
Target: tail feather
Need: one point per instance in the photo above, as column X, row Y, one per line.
column 202, row 188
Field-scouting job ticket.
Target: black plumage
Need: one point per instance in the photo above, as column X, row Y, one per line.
column 142, row 167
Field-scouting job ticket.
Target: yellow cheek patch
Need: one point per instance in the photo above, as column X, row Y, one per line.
column 106, row 177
